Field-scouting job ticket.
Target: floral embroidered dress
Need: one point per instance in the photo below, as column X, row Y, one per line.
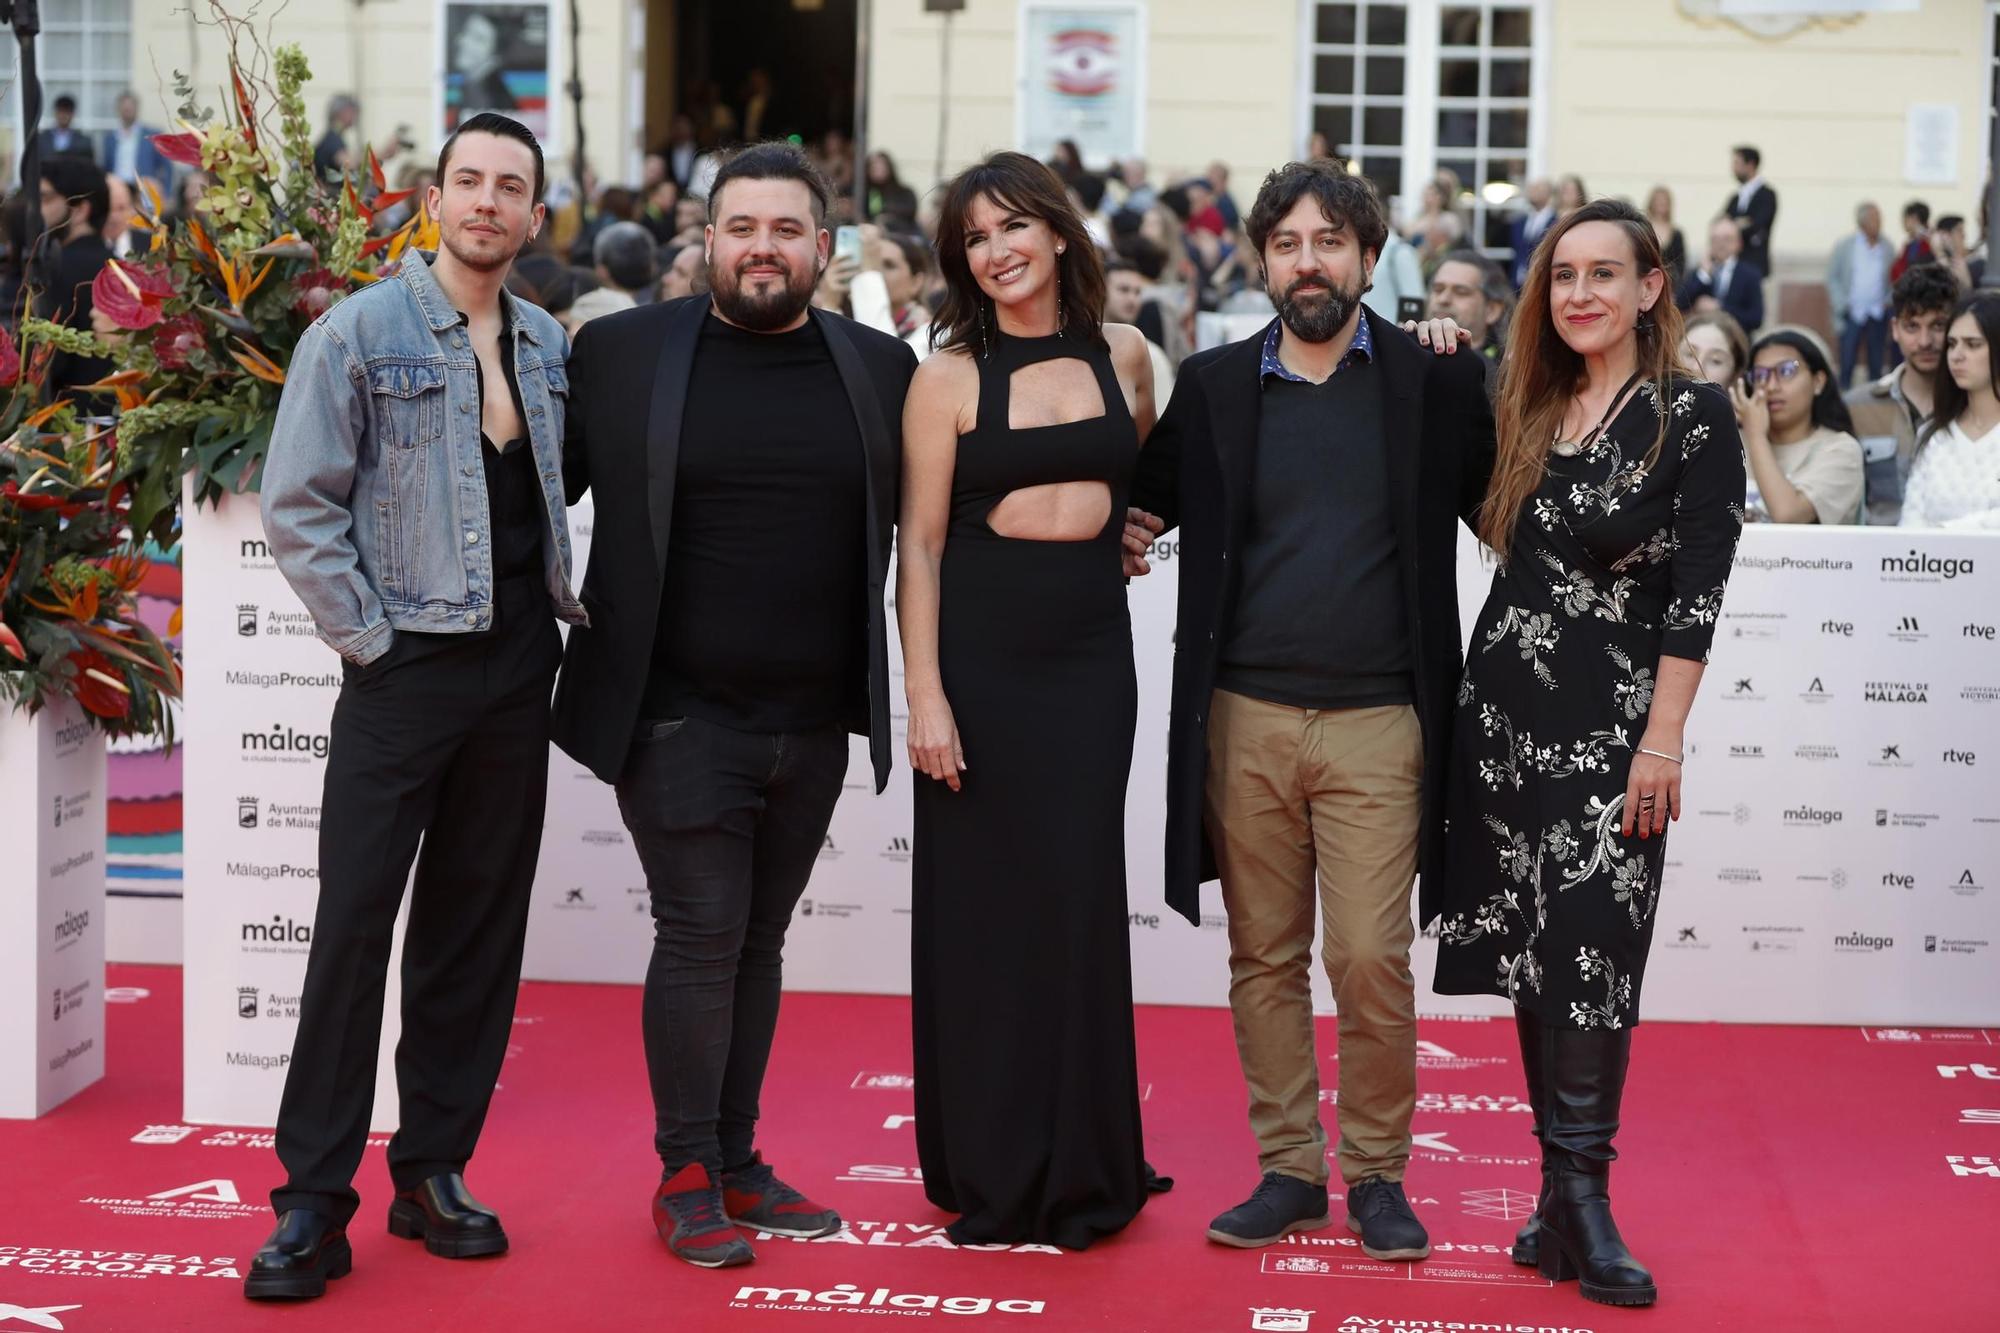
column 1614, row 564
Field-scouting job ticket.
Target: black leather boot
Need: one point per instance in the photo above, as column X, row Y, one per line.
column 452, row 1224
column 303, row 1252
column 1528, row 1241
column 1584, row 1082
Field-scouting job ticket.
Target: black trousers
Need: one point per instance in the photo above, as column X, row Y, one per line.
column 727, row 825
column 445, row 738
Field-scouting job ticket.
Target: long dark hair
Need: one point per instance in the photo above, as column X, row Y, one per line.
column 1540, row 372
column 895, row 180
column 1829, row 409
column 1018, row 182
column 1950, row 400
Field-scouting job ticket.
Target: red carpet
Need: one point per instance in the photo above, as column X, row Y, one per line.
column 1777, row 1179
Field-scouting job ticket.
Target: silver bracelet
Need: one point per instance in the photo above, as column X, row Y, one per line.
column 1661, row 754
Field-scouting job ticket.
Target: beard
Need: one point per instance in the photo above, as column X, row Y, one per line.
column 761, row 312
column 1318, row 318
column 461, row 245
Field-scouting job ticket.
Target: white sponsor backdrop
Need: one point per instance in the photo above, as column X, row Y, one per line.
column 260, row 688
column 1839, row 859
column 1811, row 880
column 51, row 939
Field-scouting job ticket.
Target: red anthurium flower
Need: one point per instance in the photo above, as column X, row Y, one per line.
column 10, row 358
column 11, row 642
column 174, row 341
column 98, row 687
column 182, row 148
column 132, row 296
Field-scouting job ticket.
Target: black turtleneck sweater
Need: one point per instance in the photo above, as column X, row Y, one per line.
column 763, row 613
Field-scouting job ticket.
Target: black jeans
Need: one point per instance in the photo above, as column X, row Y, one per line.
column 443, row 738
column 727, row 825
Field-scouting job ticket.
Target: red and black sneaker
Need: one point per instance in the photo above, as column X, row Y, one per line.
column 756, row 1198
column 688, row 1214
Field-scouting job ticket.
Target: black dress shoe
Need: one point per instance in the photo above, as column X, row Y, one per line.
column 1280, row 1205
column 452, row 1224
column 1379, row 1212
column 303, row 1252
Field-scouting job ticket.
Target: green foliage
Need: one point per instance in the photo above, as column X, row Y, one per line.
column 77, row 342
column 271, row 247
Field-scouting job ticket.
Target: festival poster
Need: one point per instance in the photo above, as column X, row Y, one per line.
column 1082, row 76
column 498, row 57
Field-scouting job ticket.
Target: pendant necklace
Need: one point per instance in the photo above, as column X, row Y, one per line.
column 1571, row 448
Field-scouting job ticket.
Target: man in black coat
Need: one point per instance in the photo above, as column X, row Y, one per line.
column 1725, row 281
column 1753, row 208
column 1317, row 473
column 743, row 451
column 64, row 139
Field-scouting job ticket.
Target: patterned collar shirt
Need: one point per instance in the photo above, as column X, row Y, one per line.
column 1361, row 349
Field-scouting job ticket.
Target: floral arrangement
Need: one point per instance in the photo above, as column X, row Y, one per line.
column 200, row 325
column 208, row 316
column 69, row 618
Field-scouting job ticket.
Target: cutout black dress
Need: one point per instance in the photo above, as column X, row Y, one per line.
column 1026, row 1076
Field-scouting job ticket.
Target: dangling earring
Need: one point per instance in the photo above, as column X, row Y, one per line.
column 1060, row 320
column 985, row 341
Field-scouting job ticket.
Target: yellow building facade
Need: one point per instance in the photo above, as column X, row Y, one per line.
column 1886, row 100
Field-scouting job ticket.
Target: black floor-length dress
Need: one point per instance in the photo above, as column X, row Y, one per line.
column 1618, row 558
column 1027, row 1085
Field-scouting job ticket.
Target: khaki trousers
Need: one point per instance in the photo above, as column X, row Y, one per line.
column 1295, row 794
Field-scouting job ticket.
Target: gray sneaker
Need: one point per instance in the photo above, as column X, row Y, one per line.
column 1379, row 1212
column 1279, row 1206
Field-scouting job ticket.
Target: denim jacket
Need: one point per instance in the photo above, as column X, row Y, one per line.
column 374, row 495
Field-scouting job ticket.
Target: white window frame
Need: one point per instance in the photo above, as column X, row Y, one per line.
column 1415, row 62
column 1421, row 53
column 90, row 24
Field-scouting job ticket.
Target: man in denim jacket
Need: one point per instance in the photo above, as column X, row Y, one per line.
column 413, row 499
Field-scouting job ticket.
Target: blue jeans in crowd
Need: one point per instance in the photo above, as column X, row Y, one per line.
column 1854, row 334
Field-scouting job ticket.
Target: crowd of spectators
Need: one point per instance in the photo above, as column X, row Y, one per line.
column 1819, row 447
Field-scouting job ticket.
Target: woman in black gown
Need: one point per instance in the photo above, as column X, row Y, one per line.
column 1020, row 439
column 1616, row 501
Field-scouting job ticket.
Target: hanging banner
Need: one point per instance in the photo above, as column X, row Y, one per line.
column 498, row 57
column 1082, row 77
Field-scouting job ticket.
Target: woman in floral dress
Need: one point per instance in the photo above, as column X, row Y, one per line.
column 1616, row 501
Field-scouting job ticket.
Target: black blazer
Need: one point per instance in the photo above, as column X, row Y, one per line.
column 1744, row 301
column 1196, row 471
column 628, row 375
column 1756, row 222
